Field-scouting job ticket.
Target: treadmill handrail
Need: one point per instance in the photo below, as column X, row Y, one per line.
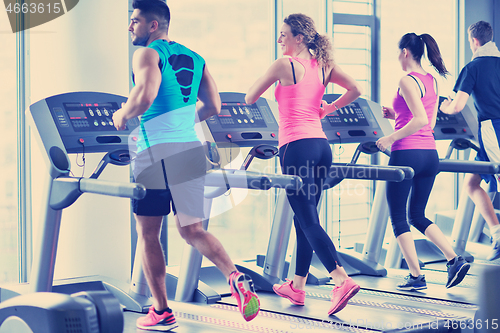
column 116, row 189
column 252, row 180
column 340, row 171
column 407, row 171
column 478, row 167
column 66, row 190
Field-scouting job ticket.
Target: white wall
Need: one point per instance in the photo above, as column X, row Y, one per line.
column 85, row 50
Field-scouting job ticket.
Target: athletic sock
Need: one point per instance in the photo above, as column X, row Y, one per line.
column 229, row 280
column 159, row 313
column 495, row 232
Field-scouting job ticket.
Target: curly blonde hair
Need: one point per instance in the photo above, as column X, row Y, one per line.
column 320, row 45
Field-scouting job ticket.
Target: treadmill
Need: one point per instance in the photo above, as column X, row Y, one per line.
column 74, row 123
column 369, row 312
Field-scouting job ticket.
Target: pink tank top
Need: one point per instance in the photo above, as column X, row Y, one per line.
column 299, row 106
column 423, row 138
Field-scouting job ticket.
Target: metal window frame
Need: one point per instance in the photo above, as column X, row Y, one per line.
column 373, row 22
column 24, row 210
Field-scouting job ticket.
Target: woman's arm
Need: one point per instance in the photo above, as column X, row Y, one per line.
column 338, row 76
column 272, row 75
column 410, row 93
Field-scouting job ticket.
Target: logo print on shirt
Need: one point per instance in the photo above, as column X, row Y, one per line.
column 183, row 66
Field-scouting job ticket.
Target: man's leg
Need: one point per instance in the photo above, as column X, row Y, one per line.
column 241, row 285
column 472, row 184
column 485, row 206
column 160, row 316
column 209, row 246
column 153, row 261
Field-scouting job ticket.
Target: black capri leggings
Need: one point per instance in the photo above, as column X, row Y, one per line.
column 425, row 163
column 309, row 159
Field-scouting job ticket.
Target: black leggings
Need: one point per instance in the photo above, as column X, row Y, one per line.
column 309, row 159
column 425, row 163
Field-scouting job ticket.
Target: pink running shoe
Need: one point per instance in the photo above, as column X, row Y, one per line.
column 243, row 290
column 155, row 322
column 287, row 290
column 342, row 294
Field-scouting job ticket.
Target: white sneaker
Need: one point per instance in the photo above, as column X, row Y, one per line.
column 495, row 251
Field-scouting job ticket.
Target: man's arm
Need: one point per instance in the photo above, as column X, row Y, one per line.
column 147, row 77
column 208, row 97
column 450, row 106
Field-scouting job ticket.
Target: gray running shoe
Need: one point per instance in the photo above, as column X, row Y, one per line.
column 413, row 283
column 457, row 270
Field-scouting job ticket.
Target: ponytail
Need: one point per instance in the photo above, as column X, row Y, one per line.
column 321, row 48
column 320, row 45
column 434, row 55
column 415, row 44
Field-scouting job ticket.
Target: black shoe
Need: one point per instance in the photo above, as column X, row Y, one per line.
column 457, row 270
column 413, row 283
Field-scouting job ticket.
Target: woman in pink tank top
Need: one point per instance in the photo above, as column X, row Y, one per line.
column 415, row 109
column 304, row 150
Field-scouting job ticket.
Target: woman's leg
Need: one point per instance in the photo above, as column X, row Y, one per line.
column 397, row 198
column 421, row 190
column 303, row 158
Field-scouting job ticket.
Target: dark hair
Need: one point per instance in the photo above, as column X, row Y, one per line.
column 415, row 44
column 481, row 31
column 301, row 24
column 154, row 10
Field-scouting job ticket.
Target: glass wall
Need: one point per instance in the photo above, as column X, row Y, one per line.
column 312, row 8
column 236, row 38
column 350, row 201
column 437, row 18
column 356, row 7
column 352, row 44
column 8, row 158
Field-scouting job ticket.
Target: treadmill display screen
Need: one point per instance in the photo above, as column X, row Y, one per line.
column 445, row 119
column 86, row 117
column 350, row 115
column 240, row 115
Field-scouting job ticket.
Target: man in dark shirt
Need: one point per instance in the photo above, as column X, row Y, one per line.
column 481, row 79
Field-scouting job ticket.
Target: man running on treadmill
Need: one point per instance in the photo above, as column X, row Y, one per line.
column 481, row 78
column 172, row 90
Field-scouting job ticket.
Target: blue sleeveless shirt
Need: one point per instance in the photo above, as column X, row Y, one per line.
column 171, row 117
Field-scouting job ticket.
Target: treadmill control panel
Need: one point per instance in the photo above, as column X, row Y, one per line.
column 350, row 115
column 357, row 122
column 83, row 120
column 243, row 124
column 241, row 115
column 87, row 116
column 459, row 125
column 249, row 125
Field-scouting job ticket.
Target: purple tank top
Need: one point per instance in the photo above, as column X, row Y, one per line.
column 423, row 138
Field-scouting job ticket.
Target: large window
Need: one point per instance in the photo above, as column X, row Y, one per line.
column 398, row 18
column 235, row 37
column 347, row 206
column 355, row 7
column 8, row 160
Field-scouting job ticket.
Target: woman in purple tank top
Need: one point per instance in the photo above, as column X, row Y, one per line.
column 415, row 110
column 303, row 148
